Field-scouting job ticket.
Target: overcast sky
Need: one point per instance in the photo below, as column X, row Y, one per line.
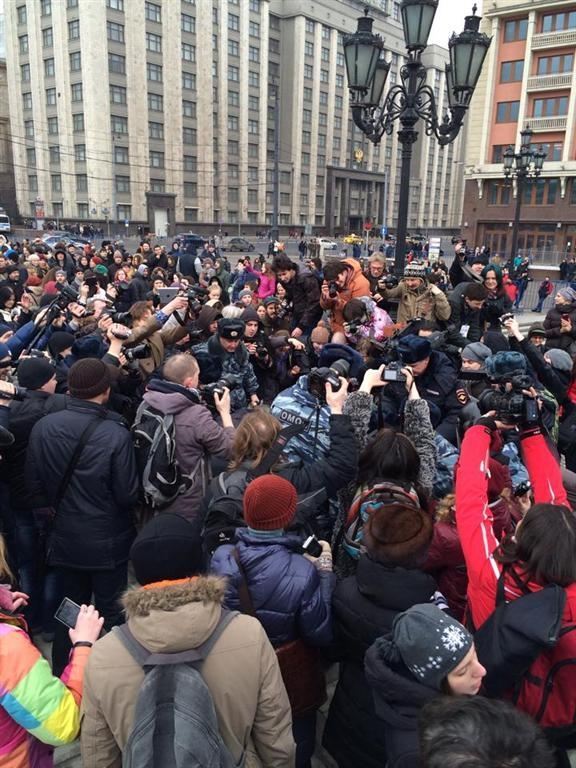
column 450, row 18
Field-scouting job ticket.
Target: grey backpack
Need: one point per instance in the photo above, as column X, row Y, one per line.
column 175, row 723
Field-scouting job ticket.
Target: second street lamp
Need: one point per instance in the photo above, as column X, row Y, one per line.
column 412, row 99
column 525, row 167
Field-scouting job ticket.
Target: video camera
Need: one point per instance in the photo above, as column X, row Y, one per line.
column 509, row 402
column 319, row 377
column 139, row 352
column 217, row 388
column 196, row 296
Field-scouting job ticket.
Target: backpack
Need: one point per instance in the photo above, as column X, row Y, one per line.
column 154, row 436
column 530, row 656
column 175, row 722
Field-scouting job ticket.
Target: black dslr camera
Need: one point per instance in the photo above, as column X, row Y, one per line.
column 319, row 377
column 139, row 352
column 217, row 388
column 512, row 407
column 333, row 289
column 196, row 296
column 393, row 372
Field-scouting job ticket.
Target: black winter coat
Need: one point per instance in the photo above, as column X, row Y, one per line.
column 137, row 290
column 398, row 699
column 304, row 291
column 93, row 527
column 364, row 607
column 552, row 324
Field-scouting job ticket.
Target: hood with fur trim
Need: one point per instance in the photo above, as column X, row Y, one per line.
column 170, row 595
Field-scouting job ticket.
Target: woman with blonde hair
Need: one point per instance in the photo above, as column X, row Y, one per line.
column 37, row 710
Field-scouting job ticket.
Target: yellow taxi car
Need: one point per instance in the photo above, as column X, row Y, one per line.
column 353, row 239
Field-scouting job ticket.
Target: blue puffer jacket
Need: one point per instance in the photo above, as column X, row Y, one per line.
column 290, row 597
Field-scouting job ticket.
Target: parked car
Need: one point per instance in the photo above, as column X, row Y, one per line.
column 190, row 242
column 64, row 239
column 326, row 244
column 5, row 226
column 353, row 239
column 237, row 244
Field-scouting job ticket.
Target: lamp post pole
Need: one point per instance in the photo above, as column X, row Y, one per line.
column 525, row 166
column 412, row 99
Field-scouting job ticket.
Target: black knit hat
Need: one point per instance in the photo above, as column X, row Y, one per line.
column 88, row 378
column 167, row 548
column 34, row 372
column 59, row 341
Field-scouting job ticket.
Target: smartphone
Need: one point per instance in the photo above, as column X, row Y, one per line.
column 167, row 294
column 312, row 546
column 67, row 613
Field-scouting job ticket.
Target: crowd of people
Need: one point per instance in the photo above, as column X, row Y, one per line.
column 220, row 481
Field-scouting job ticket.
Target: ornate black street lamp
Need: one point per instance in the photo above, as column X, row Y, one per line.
column 525, row 166
column 412, row 99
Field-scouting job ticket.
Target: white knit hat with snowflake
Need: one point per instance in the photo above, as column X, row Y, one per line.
column 430, row 642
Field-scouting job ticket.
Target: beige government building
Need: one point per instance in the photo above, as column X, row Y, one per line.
column 170, row 112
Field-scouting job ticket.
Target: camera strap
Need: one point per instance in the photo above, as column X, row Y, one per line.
column 64, row 483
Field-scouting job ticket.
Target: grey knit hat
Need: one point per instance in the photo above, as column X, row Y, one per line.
column 568, row 294
column 430, row 642
column 415, row 270
column 559, row 359
column 476, row 351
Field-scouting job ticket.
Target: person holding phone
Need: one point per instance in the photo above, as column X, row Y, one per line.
column 38, row 711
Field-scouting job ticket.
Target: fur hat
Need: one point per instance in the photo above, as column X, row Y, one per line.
column 415, row 270
column 88, row 378
column 269, row 503
column 232, row 329
column 504, row 364
column 167, row 548
column 413, row 349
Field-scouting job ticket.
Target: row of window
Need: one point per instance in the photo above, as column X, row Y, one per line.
column 517, row 29
column 553, row 106
column 553, row 151
column 538, row 192
column 512, row 71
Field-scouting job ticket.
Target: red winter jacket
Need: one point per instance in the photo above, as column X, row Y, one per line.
column 475, row 523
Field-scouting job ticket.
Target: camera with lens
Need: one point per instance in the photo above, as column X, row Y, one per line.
column 523, row 488
column 319, row 377
column 217, row 388
column 393, row 372
column 513, row 406
column 66, row 296
column 261, row 352
column 390, row 281
column 504, row 318
column 139, row 352
column 196, row 296
column 333, row 289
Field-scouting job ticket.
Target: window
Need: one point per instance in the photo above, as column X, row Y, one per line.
column 45, row 8
column 27, row 100
column 81, row 182
column 553, row 190
column 121, row 155
column 71, row 3
column 116, row 63
column 306, row 116
column 233, row 147
column 21, row 13
column 254, row 79
column 233, row 74
column 339, row 81
column 310, row 26
column 273, row 69
column 512, row 71
column 82, row 209
column 284, row 198
column 233, row 99
column 157, row 185
column 75, row 61
column 54, row 155
column 232, row 195
column 253, row 150
column 274, row 45
column 155, row 102
column 553, row 151
column 253, row 127
column 50, row 97
column 554, row 65
column 498, row 153
column 152, row 12
column 189, row 163
column 255, row 6
column 551, row 107
column 254, row 103
column 188, row 81
column 254, row 54
column 305, row 158
column 337, row 123
column 339, row 59
column 306, row 137
column 254, row 29
column 307, row 93
column 156, row 159
column 323, row 98
column 80, row 153
column 517, row 29
column 115, row 5
column 188, row 109
column 190, row 189
column 47, row 38
column 154, row 72
column 76, row 92
column 323, row 75
column 323, row 119
column 233, row 48
column 558, row 22
column 233, row 22
column 31, row 157
column 33, row 183
column 117, row 94
column 119, row 124
column 56, row 182
column 252, row 174
column 122, row 183
column 233, row 171
column 29, row 129
column 25, row 71
column 115, row 32
column 187, row 23
column 74, row 29
column 338, row 102
column 325, row 54
column 23, row 43
column 153, row 42
column 507, row 111
column 188, row 135
column 308, row 48
column 233, row 124
column 188, row 52
column 156, row 130
column 124, row 212
column 78, row 122
column 308, row 71
column 322, row 140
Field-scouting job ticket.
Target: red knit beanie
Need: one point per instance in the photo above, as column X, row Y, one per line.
column 269, row 503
